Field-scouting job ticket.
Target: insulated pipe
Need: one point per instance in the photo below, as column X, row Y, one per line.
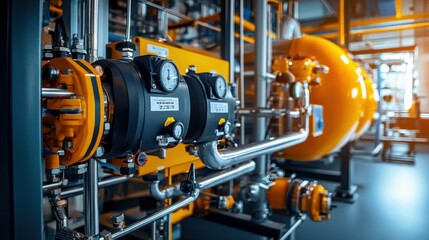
column 156, row 215
column 203, row 183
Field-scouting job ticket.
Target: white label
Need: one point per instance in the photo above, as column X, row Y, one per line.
column 160, row 51
column 218, row 107
column 161, row 104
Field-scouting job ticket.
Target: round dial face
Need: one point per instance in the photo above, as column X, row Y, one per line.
column 220, row 87
column 177, row 130
column 168, row 76
column 227, row 127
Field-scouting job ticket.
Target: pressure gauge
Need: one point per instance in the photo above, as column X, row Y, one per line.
column 168, row 76
column 177, row 130
column 220, row 87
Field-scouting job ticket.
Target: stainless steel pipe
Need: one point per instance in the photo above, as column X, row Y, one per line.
column 226, row 175
column 90, row 198
column 92, row 28
column 55, row 92
column 128, row 22
column 52, row 185
column 169, row 192
column 102, row 184
column 289, row 28
column 203, row 183
column 156, row 215
column 214, row 159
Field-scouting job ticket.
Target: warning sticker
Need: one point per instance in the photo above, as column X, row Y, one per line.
column 160, row 104
column 218, row 107
column 160, row 51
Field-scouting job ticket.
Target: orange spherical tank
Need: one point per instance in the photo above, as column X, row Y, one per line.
column 369, row 106
column 340, row 93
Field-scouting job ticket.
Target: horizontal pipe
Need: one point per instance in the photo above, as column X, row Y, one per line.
column 177, row 14
column 358, row 32
column 155, row 216
column 204, row 183
column 55, row 92
column 104, row 183
column 226, row 175
column 52, row 185
column 366, row 22
column 267, row 112
column 213, row 159
column 220, row 160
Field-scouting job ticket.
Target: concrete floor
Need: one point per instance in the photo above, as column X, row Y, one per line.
column 393, row 203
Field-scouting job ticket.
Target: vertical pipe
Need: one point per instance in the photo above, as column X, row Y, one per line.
column 70, row 16
column 259, row 208
column 103, row 28
column 378, row 132
column 21, row 138
column 241, row 83
column 341, row 25
column 344, row 23
column 153, row 231
column 227, row 35
column 269, row 38
column 398, row 8
column 90, row 195
column 128, row 22
column 92, row 28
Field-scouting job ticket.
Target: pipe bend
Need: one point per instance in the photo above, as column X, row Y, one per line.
column 165, row 193
column 214, row 159
column 290, row 28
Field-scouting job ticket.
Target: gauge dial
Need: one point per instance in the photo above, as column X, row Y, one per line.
column 177, row 130
column 220, row 87
column 168, row 76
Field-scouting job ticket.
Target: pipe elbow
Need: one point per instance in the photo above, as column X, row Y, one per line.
column 290, row 29
column 210, row 156
column 163, row 194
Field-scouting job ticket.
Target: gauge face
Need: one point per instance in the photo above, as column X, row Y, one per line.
column 220, row 87
column 227, row 127
column 168, row 76
column 177, row 130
